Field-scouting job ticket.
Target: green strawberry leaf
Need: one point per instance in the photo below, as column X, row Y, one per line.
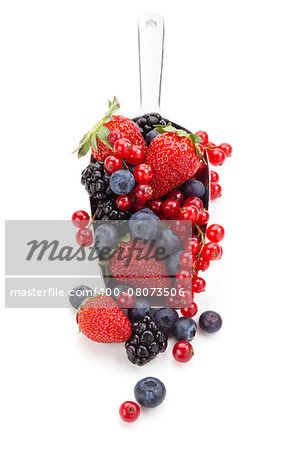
column 99, row 129
column 94, row 143
column 83, row 149
column 103, row 132
column 125, row 238
column 195, row 138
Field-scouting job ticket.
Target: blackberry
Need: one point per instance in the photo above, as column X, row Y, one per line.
column 96, row 181
column 146, row 341
column 108, row 210
column 147, row 122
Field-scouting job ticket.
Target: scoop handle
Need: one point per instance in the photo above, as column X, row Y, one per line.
column 151, row 33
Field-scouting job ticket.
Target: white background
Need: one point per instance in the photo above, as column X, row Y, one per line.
column 231, row 68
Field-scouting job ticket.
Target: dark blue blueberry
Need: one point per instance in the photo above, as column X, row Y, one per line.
column 173, row 263
column 210, row 321
column 150, row 136
column 122, row 182
column 165, row 317
column 184, row 329
column 140, row 310
column 144, row 224
column 169, row 241
column 150, row 392
column 193, row 188
column 78, row 294
column 106, row 236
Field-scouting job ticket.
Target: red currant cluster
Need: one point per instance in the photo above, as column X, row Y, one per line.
column 124, row 152
column 84, row 235
column 216, row 156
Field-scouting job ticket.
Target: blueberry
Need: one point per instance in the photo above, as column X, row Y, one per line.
column 150, row 392
column 144, row 224
column 173, row 263
column 154, row 114
column 193, row 188
column 153, row 120
column 210, row 321
column 150, row 136
column 184, row 329
column 140, row 310
column 106, row 236
column 141, row 122
column 165, row 317
column 79, row 294
column 122, row 182
column 169, row 241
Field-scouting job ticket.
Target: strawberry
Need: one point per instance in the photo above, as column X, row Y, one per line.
column 174, row 157
column 97, row 138
column 143, row 270
column 127, row 128
column 101, row 320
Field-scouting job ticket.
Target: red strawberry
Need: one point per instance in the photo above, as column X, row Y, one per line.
column 97, row 137
column 174, row 157
column 143, row 269
column 101, row 320
column 127, row 128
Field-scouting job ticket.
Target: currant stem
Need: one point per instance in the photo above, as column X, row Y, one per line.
column 94, row 215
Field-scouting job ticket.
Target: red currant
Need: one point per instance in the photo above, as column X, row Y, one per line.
column 176, row 194
column 227, row 149
column 124, row 202
column 203, row 217
column 155, row 206
column 194, row 201
column 143, row 173
column 181, row 228
column 173, row 302
column 216, row 156
column 136, row 204
column 112, row 164
column 214, row 176
column 126, row 300
column 198, row 284
column 212, row 251
column 193, row 245
column 202, row 264
column 215, row 191
column 186, row 297
column 189, row 212
column 183, row 351
column 143, row 192
column 210, row 145
column 215, row 233
column 129, row 411
column 204, row 136
column 183, row 277
column 114, row 136
column 191, row 311
column 80, row 219
column 136, row 155
column 84, row 237
column 187, row 260
column 201, row 168
column 122, row 147
column 170, row 208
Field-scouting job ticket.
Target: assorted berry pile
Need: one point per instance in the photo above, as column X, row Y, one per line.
column 154, row 175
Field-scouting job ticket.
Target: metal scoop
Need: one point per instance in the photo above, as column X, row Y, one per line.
column 151, row 32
